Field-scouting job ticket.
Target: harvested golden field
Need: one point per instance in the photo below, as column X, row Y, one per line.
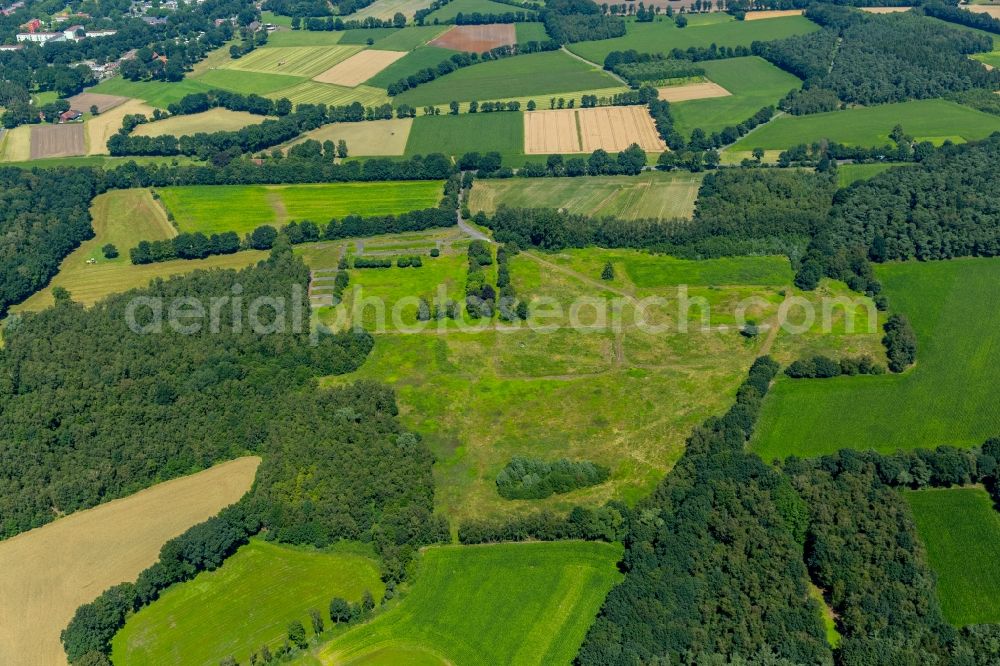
column 15, row 144
column 477, row 38
column 50, row 571
column 692, row 91
column 992, row 10
column 548, row 132
column 57, row 141
column 772, row 13
column 885, row 10
column 359, row 67
column 84, row 101
column 213, row 120
column 101, row 128
column 372, row 137
column 615, row 128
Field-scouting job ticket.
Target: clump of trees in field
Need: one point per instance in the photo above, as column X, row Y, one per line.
column 639, row 68
column 568, row 21
column 824, row 367
column 529, row 478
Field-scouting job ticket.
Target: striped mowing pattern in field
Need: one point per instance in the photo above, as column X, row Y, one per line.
column 311, row 92
column 294, row 60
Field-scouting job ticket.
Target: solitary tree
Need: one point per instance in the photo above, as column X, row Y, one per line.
column 367, row 602
column 297, row 634
column 341, row 149
column 758, row 154
column 609, row 272
column 109, row 251
column 531, row 105
column 94, row 110
column 340, row 611
column 453, row 107
column 317, row 621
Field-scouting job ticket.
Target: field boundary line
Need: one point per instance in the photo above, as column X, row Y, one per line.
column 594, row 64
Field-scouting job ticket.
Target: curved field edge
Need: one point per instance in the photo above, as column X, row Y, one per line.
column 52, row 570
column 545, row 595
column 948, row 398
column 247, row 602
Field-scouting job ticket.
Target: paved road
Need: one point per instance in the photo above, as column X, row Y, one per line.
column 469, row 229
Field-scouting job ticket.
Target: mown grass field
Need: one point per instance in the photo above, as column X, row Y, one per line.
column 242, row 208
column 754, row 84
column 293, row 60
column 410, row 37
column 653, row 194
column 305, row 38
column 624, row 396
column 50, row 571
column 213, row 120
column 311, row 92
column 539, row 74
column 852, row 173
column 246, row 603
column 961, row 530
column 411, row 63
column 386, row 9
column 457, row 135
column 931, row 120
column 362, row 35
column 949, row 397
column 702, row 30
column 452, row 9
column 530, row 32
column 528, row 603
column 374, row 137
column 154, row 93
column 248, row 82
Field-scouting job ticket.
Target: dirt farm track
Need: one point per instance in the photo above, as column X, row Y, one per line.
column 50, row 571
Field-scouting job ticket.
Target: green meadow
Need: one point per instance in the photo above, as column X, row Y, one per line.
column 613, row 392
column 545, row 73
column 663, row 35
column 409, row 38
column 247, row 602
column 526, row 603
column 961, row 530
column 852, row 173
column 949, row 397
column 242, row 208
column 754, row 84
column 456, row 7
column 931, row 119
column 411, row 63
column 457, row 135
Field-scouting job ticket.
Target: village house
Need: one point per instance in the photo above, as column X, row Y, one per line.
column 70, row 116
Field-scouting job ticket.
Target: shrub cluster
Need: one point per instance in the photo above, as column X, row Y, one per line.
column 529, row 478
column 822, row 367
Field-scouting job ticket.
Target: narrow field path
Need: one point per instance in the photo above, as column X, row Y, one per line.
column 594, row 64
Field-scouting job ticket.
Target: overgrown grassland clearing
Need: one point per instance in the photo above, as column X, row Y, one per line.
column 213, row 120
column 304, row 38
column 155, row 93
column 829, row 619
column 663, row 35
column 242, row 208
column 949, row 397
column 547, row 73
column 248, row 82
column 246, row 603
column 653, row 194
column 311, row 92
column 374, row 137
column 851, row 173
column 543, row 595
column 102, row 127
column 929, row 119
column 961, row 530
column 418, row 59
column 359, row 67
column 410, row 37
column 457, row 135
column 293, row 60
column 456, row 7
column 50, row 571
column 619, row 396
column 753, row 83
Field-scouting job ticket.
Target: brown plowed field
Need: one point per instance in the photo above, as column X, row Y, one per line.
column 477, row 38
column 692, row 91
column 57, row 140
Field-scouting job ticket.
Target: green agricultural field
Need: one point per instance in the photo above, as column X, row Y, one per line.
column 304, row 38
column 242, row 208
column 456, row 7
column 276, row 19
column 421, row 58
column 852, row 173
column 961, row 530
column 247, row 82
column 311, row 92
column 410, row 37
column 530, row 32
column 543, row 595
column 662, row 35
column 948, row 397
column 533, row 74
column 931, row 119
column 362, row 35
column 623, row 396
column 754, row 84
column 293, row 60
column 154, row 93
column 653, row 194
column 213, row 120
column 246, row 603
column 457, row 135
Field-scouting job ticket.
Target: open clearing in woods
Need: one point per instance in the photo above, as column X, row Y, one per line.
column 477, row 38
column 524, row 603
column 652, row 194
column 246, row 603
column 961, row 530
column 50, row 571
column 57, row 140
column 213, row 120
column 359, row 67
column 691, row 91
column 613, row 128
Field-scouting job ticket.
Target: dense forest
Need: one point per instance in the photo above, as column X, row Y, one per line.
column 876, row 59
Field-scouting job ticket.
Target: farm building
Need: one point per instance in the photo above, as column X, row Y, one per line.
column 70, row 116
